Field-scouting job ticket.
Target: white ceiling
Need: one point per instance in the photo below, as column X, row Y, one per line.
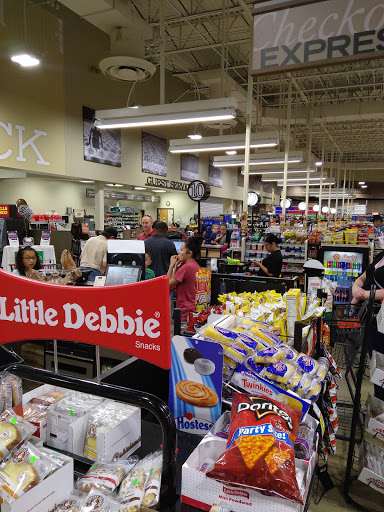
column 204, row 36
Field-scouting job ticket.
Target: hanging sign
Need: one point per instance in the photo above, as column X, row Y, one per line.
column 319, row 34
column 132, row 318
column 199, row 190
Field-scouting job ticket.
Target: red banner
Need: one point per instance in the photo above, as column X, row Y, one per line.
column 132, row 318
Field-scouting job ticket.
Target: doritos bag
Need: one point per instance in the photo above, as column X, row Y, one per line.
column 260, row 447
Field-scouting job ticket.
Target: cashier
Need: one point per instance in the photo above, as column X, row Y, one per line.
column 374, row 274
column 271, row 265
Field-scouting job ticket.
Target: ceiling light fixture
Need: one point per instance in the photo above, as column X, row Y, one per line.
column 86, row 181
column 277, row 173
column 167, row 114
column 303, row 184
column 333, row 211
column 364, row 186
column 259, row 159
column 114, row 185
column 231, row 152
column 302, row 206
column 140, row 188
column 291, row 179
column 224, row 142
column 316, row 208
column 324, row 209
column 361, row 182
column 195, row 136
column 25, row 60
column 161, row 191
column 287, row 203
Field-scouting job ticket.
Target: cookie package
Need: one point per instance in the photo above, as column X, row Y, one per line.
column 106, row 477
column 14, row 430
column 97, row 501
column 132, row 488
column 260, row 447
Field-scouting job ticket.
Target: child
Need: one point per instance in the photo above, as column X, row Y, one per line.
column 210, row 237
column 149, row 273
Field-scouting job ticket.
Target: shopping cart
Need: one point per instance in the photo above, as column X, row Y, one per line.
column 48, row 269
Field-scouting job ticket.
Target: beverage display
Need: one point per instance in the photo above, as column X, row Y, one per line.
column 343, row 268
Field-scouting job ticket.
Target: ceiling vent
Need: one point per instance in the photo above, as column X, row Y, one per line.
column 125, row 62
column 218, row 125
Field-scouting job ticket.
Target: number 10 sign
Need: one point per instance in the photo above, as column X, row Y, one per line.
column 199, row 190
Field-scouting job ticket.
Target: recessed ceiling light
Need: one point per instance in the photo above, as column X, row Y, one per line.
column 86, row 181
column 25, row 60
column 140, row 188
column 231, row 152
column 318, row 163
column 158, row 190
column 195, row 136
column 114, row 185
column 361, row 182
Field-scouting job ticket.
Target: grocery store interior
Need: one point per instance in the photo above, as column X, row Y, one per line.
column 221, row 162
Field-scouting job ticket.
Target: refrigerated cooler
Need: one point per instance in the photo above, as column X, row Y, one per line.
column 344, row 264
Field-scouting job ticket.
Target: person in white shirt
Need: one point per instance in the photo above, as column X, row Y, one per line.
column 94, row 255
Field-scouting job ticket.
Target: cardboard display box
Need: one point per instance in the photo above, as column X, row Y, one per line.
column 47, row 494
column 368, row 475
column 119, row 442
column 202, row 492
column 372, row 424
column 377, row 368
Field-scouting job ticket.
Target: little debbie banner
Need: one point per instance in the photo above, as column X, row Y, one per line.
column 131, row 318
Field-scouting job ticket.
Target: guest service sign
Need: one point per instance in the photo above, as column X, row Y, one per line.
column 319, row 34
column 131, row 318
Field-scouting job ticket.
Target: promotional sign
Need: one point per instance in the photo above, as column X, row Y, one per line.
column 45, row 238
column 13, row 239
column 133, row 318
column 319, row 34
column 5, row 210
column 203, row 289
column 195, row 383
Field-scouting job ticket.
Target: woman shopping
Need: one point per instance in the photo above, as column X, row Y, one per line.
column 374, row 274
column 271, row 265
column 183, row 276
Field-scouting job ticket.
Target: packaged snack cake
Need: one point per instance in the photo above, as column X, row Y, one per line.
column 260, row 447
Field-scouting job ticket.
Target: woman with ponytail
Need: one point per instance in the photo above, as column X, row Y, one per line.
column 271, row 265
column 183, row 276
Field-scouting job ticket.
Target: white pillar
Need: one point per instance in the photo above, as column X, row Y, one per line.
column 286, row 155
column 248, row 127
column 309, row 158
column 99, row 205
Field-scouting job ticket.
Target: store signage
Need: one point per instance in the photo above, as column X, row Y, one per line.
column 5, row 210
column 199, row 190
column 132, row 318
column 23, row 144
column 319, row 34
column 124, row 196
column 163, row 183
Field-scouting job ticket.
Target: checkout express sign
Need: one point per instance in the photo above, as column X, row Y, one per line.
column 133, row 318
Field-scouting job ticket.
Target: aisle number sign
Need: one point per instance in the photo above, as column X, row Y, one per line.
column 199, row 190
column 133, row 318
column 318, row 34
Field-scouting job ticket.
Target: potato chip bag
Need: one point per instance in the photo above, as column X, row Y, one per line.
column 260, row 447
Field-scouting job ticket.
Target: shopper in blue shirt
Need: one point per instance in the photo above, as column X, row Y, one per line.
column 378, row 225
column 210, row 237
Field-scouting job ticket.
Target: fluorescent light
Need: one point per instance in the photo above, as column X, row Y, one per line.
column 318, row 163
column 86, row 181
column 140, row 188
column 25, row 60
column 159, row 191
column 303, row 184
column 195, row 136
column 231, row 152
column 291, row 179
column 224, row 142
column 270, row 173
column 364, row 186
column 259, row 159
column 167, row 114
column 361, row 182
column 114, row 185
column 134, row 106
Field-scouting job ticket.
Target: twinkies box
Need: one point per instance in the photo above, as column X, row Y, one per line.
column 202, row 492
column 377, row 368
column 47, row 494
column 374, row 419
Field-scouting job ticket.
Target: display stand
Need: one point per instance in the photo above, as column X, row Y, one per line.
column 356, row 414
column 143, row 400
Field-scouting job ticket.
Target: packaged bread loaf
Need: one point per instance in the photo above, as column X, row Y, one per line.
column 152, row 487
column 25, row 470
column 106, row 477
column 16, row 388
column 97, row 501
column 71, row 503
column 132, row 489
column 47, row 399
column 14, row 430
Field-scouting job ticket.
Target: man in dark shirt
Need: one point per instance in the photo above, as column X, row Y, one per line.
column 160, row 248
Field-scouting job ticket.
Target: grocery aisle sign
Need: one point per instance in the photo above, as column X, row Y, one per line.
column 319, row 34
column 133, row 318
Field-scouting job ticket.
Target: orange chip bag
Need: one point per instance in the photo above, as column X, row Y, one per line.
column 260, row 451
